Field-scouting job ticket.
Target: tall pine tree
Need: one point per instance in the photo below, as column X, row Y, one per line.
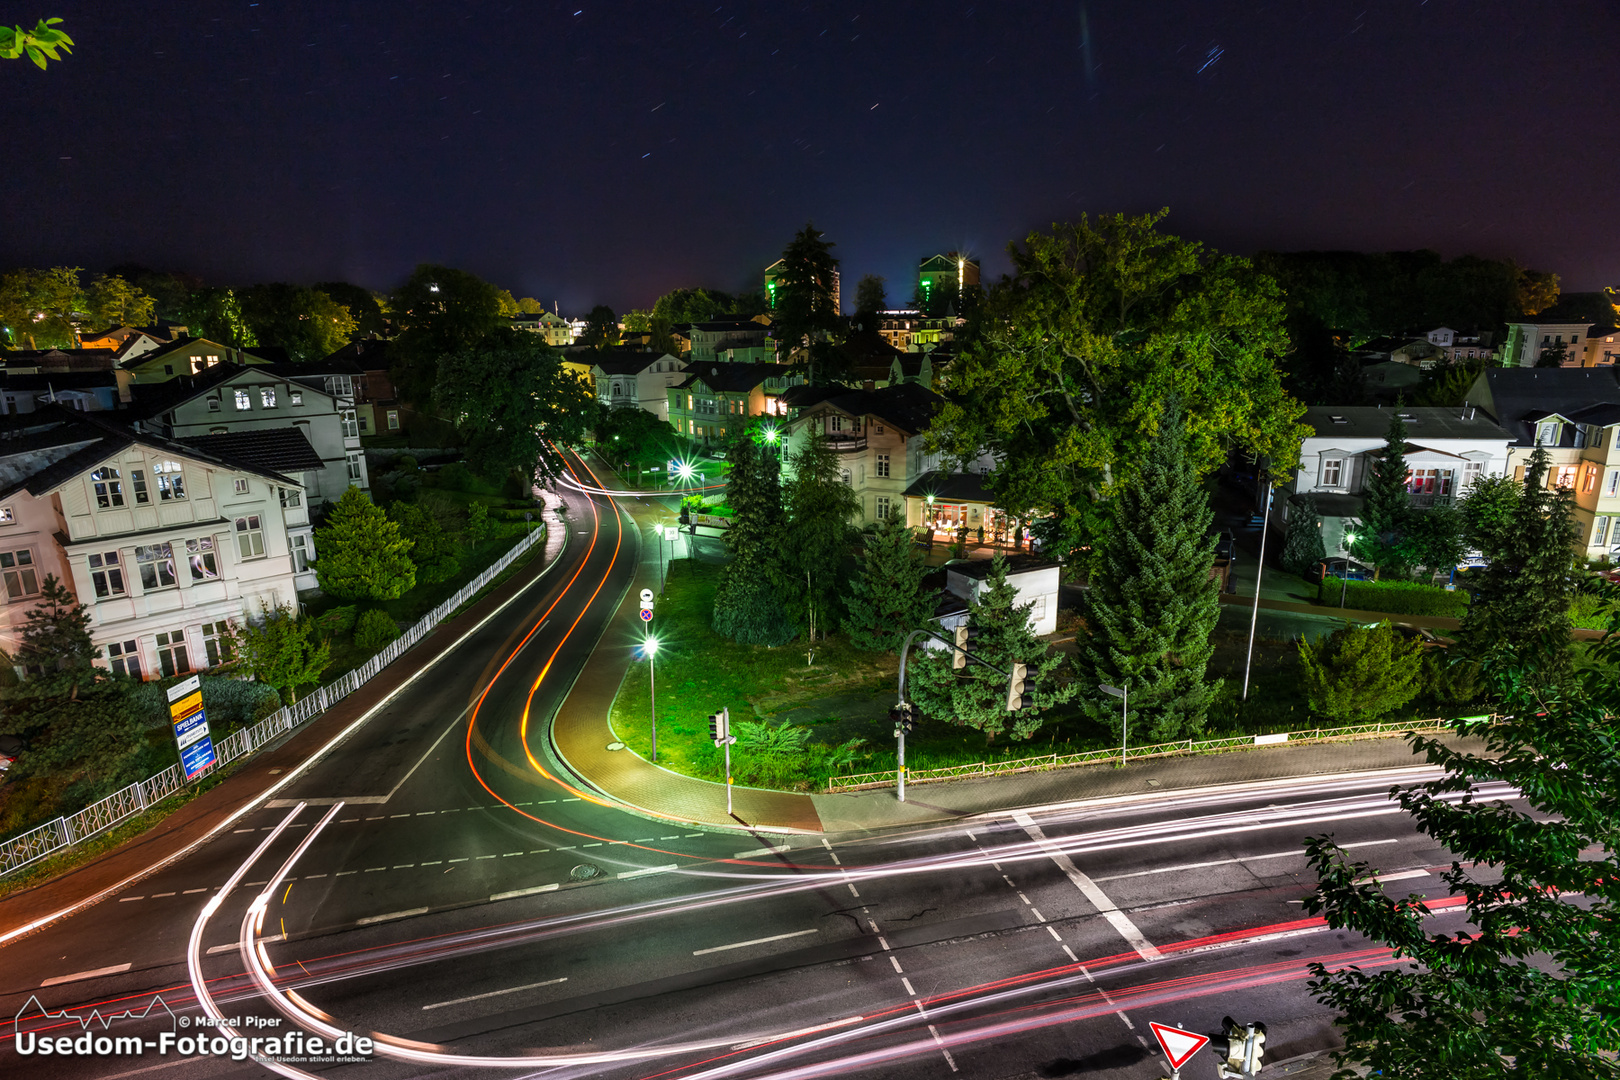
column 748, row 604
column 817, row 535
column 1387, row 506
column 803, row 315
column 1152, row 604
column 887, row 601
column 1303, row 548
column 361, row 555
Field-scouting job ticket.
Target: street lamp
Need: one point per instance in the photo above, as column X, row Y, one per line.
column 1124, row 695
column 1259, row 572
column 1344, row 582
column 649, row 649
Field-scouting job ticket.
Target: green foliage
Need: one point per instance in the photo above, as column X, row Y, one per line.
column 92, row 733
column 601, row 327
column 747, row 606
column 439, row 310
column 1360, row 674
column 433, row 550
column 1153, row 605
column 56, row 637
column 510, row 395
column 306, row 322
column 1303, row 548
column 1528, row 987
column 803, row 316
column 1449, row 385
column 363, row 306
column 216, row 314
column 230, row 702
column 1393, row 597
column 1488, row 511
column 754, row 494
column 1077, row 354
column 284, row 650
column 1591, row 611
column 887, row 600
column 374, row 630
column 361, row 555
column 479, row 527
column 976, row 696
column 1386, row 506
column 1553, row 356
column 1433, row 539
column 455, row 477
column 630, row 436
column 757, row 738
column 44, row 40
column 816, row 536
column 113, row 301
column 38, row 308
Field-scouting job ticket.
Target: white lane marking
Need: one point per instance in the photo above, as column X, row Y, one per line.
column 644, row 872
column 1299, row 852
column 391, row 915
column 127, row 899
column 939, row 1042
column 116, row 969
column 895, row 960
column 756, row 941
column 907, row 982
column 1088, row 888
column 515, row 893
column 493, row 993
column 233, row 946
column 1054, row 934
column 158, row 895
column 848, row 1020
column 282, row 804
column 188, row 892
column 774, row 849
column 1399, row 875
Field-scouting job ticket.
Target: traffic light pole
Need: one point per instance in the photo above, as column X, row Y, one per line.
column 900, row 731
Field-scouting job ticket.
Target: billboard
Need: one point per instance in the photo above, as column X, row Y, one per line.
column 191, row 728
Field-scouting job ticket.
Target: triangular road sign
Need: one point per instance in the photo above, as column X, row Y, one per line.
column 1178, row 1045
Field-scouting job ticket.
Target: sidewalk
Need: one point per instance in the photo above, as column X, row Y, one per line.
column 193, row 824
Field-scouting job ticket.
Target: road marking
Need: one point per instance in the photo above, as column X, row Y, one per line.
column 391, row 915
column 188, row 892
column 116, row 969
column 848, row 1020
column 756, row 941
column 1054, row 934
column 127, row 899
column 435, row 862
column 233, row 946
column 1399, row 875
column 648, row 870
column 684, row 836
column 677, row 837
column 492, row 993
column 1088, row 888
column 1300, row 852
column 907, row 983
column 939, row 1042
column 895, row 960
column 462, row 859
column 343, row 873
column 1035, row 911
column 404, row 866
column 241, row 830
column 312, row 877
column 774, row 849
column 515, row 893
column 283, row 804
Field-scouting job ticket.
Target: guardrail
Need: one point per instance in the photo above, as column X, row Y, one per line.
column 1043, row 762
column 44, row 840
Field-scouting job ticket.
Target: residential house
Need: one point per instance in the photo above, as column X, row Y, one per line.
column 1575, row 414
column 186, row 356
column 1461, row 345
column 897, row 326
column 367, row 362
column 1569, row 323
column 556, row 330
column 165, row 543
column 84, row 391
column 1036, row 580
column 630, row 378
column 868, row 359
column 709, row 337
column 1447, row 450
column 131, row 341
column 715, row 401
column 941, row 279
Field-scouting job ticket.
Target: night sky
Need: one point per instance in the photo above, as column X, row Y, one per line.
column 588, row 152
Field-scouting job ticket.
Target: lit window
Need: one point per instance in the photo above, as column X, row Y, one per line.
column 7, row 516
column 1332, row 472
column 17, row 568
column 1547, row 434
column 200, row 555
column 1610, row 489
column 107, row 574
column 295, row 397
column 267, row 396
column 249, row 537
column 125, row 658
column 109, row 488
column 1589, row 480
column 156, row 565
column 300, row 553
column 351, row 430
column 171, row 484
column 1472, row 471
column 393, row 419
column 137, row 483
column 1566, row 476
column 242, row 400
column 217, row 643
column 355, row 472
column 882, row 468
column 241, row 485
column 171, row 649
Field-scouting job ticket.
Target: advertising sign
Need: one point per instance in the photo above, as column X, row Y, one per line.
column 191, row 728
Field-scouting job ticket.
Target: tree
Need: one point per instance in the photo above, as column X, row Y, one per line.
column 1387, row 507
column 816, row 535
column 691, row 305
column 1303, row 549
column 1537, row 291
column 40, row 309
column 1553, row 355
column 976, row 696
column 433, row 551
column 1529, row 987
column 36, row 44
column 601, row 327
column 627, row 435
column 56, row 637
column 1072, row 359
column 887, row 600
column 308, row 323
column 364, row 307
column 479, row 526
column 216, row 314
column 638, row 322
column 1433, row 539
column 361, row 554
column 1488, row 510
column 439, row 310
column 113, row 301
column 747, row 604
column 870, row 296
column 1522, row 597
column 804, row 318
column 284, row 650
column 510, row 396
column 1359, row 674
column 91, row 733
column 1153, row 603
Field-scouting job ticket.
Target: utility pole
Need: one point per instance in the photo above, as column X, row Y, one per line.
column 1259, row 571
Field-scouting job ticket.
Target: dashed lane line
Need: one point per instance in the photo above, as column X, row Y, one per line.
column 406, row 914
column 77, row 976
column 515, row 893
column 493, row 993
column 755, row 941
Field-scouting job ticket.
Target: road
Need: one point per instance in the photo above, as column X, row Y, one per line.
column 473, row 903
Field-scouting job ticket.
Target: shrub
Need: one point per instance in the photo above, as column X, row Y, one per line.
column 456, row 477
column 373, row 630
column 1393, row 597
column 1591, row 612
column 338, row 621
column 1361, row 673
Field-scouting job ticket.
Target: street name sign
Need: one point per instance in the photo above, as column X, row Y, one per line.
column 1178, row 1045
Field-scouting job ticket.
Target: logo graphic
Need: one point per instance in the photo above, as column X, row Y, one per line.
column 84, row 1020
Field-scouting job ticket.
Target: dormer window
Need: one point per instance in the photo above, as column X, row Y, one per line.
column 1547, row 433
column 1338, row 420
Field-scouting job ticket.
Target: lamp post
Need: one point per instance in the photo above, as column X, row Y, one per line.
column 1124, row 695
column 650, row 649
column 1344, row 582
column 1259, row 571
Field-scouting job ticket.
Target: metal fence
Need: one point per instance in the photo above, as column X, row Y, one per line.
column 867, row 781
column 53, row 836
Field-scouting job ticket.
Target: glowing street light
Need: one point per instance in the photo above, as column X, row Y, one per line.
column 684, row 470
column 649, row 649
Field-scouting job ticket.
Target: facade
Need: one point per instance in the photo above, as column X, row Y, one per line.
column 710, row 338
column 366, row 362
column 83, row 391
column 1569, row 323
column 625, row 378
column 898, row 325
column 1036, row 580
column 1575, row 415
column 187, row 356
column 556, row 330
column 714, row 402
column 164, row 543
column 1447, row 450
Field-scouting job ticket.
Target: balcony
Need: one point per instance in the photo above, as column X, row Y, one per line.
column 846, row 444
column 1422, row 501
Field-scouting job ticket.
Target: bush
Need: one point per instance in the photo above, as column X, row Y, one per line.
column 1591, row 612
column 1361, row 673
column 338, row 621
column 373, row 630
column 230, row 703
column 1394, row 597
column 456, row 477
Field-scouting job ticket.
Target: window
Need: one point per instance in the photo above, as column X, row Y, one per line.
column 125, row 658
column 354, row 468
column 7, row 516
column 217, row 643
column 882, row 468
column 1333, row 472
column 172, row 653
column 340, row 386
column 171, row 485
column 200, row 555
column 1566, row 476
column 877, row 429
column 1600, row 531
column 17, row 567
column 393, row 419
column 241, row 485
column 1472, row 471
column 213, row 404
column 242, row 400
column 1610, row 489
column 290, row 497
column 109, row 488
column 300, row 553
column 1429, row 481
column 107, row 574
column 1589, row 477
column 267, row 396
column 882, row 508
column 156, row 565
column 249, row 537
column 843, row 474
column 1547, row 434
column 835, row 423
column 295, row 397
column 137, row 483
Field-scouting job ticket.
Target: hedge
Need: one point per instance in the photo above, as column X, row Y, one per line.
column 1393, row 597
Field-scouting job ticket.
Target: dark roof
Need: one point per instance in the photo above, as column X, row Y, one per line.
column 274, row 354
column 869, row 349
column 282, row 450
column 370, row 353
column 950, row 487
column 728, row 378
column 628, row 361
column 1521, row 396
column 31, row 357
column 718, row 326
column 1369, row 421
column 149, row 399
column 60, row 380
column 907, row 406
column 978, row 569
column 315, row 369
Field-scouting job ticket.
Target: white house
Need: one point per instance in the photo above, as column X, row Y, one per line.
column 632, row 378
column 1035, row 578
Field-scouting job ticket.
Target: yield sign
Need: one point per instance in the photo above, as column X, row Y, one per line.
column 1178, row 1045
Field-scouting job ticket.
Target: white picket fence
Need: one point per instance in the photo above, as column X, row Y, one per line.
column 53, row 836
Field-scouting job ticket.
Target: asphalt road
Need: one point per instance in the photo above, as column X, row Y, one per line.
column 493, row 919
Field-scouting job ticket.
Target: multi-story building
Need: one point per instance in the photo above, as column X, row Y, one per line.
column 1575, row 415
column 714, row 402
column 941, row 279
column 186, row 356
column 898, row 325
column 710, row 338
column 1568, row 323
column 630, row 378
column 165, row 543
column 556, row 330
column 367, row 362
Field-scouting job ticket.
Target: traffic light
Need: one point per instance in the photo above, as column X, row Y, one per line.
column 1016, row 688
column 965, row 636
column 720, row 727
column 903, row 717
column 686, row 515
column 1238, row 1048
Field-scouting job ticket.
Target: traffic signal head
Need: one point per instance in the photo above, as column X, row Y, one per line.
column 720, row 726
column 902, row 715
column 1015, row 687
column 1235, row 1037
column 959, row 654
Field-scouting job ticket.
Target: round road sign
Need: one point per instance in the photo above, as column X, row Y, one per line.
column 646, row 614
